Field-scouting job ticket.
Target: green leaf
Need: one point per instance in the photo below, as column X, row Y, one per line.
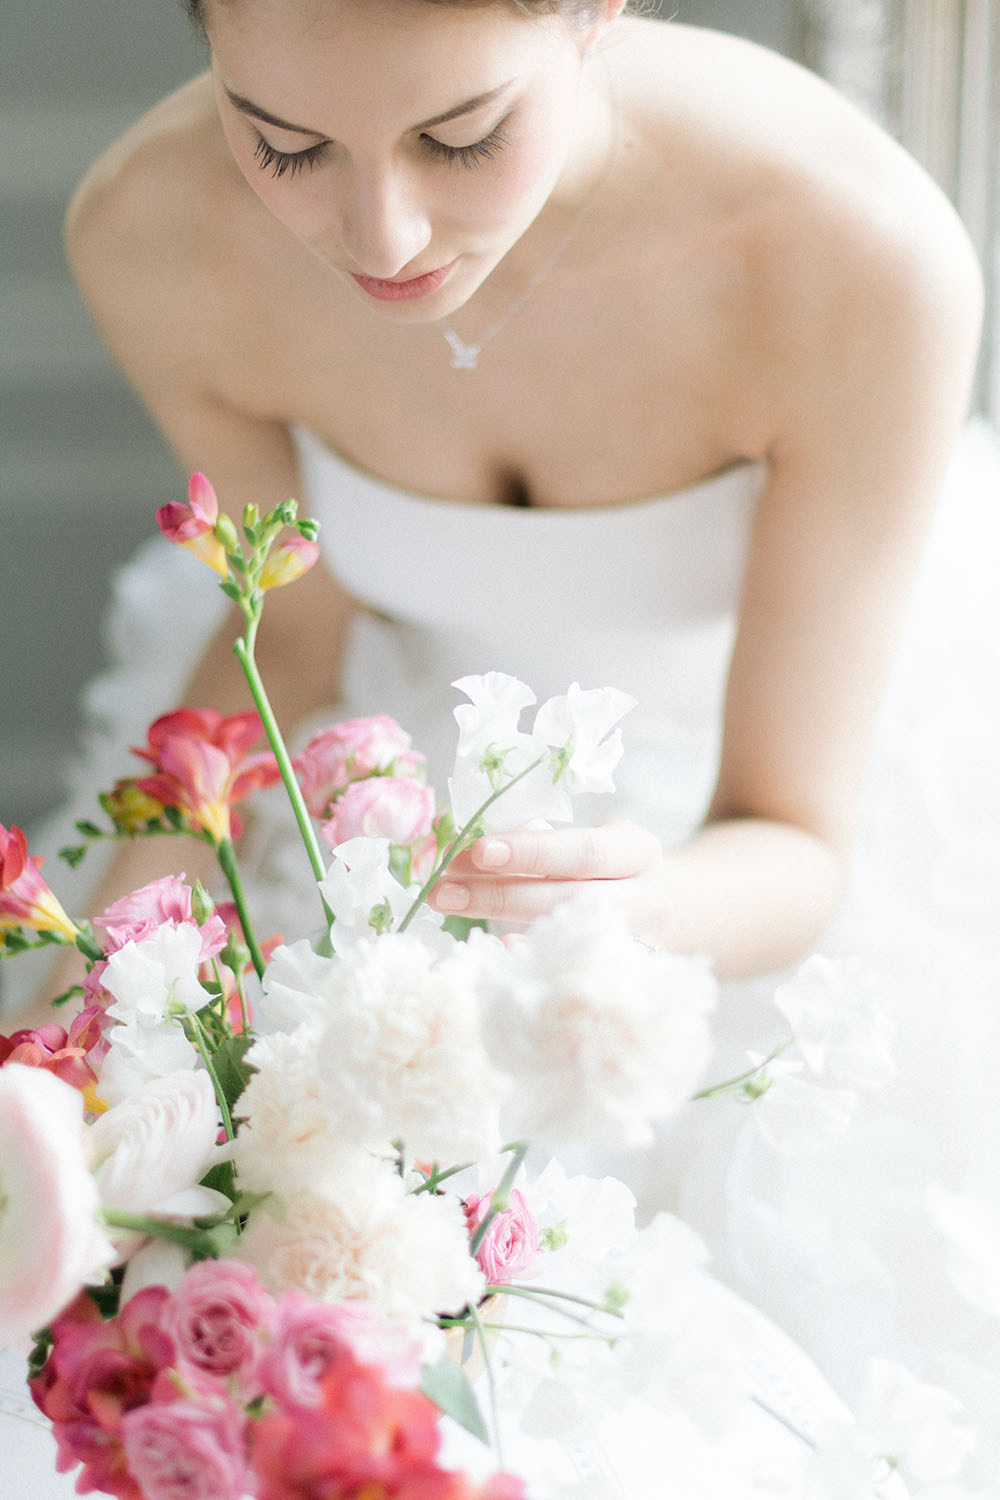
column 233, row 1072
column 73, row 854
column 448, row 1387
column 460, row 927
column 88, row 829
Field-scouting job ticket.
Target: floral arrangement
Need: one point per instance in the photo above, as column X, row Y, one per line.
column 279, row 1201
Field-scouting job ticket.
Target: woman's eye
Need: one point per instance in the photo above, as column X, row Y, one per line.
column 467, row 156
column 278, row 163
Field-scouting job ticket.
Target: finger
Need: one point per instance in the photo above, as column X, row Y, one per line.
column 502, row 901
column 613, row 851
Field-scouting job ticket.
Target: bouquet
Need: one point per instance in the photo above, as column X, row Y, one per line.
column 280, row 1209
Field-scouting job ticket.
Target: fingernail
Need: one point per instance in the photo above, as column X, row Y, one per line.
column 492, row 853
column 450, row 897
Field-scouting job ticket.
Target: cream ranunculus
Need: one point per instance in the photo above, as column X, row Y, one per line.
column 50, row 1242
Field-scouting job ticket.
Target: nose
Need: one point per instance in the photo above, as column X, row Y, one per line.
column 385, row 223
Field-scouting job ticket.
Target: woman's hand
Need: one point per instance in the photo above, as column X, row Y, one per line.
column 516, row 877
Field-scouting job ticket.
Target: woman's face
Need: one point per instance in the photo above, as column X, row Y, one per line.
column 408, row 145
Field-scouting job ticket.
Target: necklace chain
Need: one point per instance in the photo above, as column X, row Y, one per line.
column 466, row 356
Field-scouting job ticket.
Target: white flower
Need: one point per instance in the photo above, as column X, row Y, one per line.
column 362, row 893
column 581, row 1221
column 152, row 982
column 293, row 986
column 795, row 1114
column 149, row 1152
column 286, row 1140
column 361, row 1235
column 493, row 752
column 840, row 1028
column 581, row 725
column 599, row 1036
column 50, row 1243
column 401, row 1056
column 491, row 718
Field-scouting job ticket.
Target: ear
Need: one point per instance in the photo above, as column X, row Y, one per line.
column 605, row 14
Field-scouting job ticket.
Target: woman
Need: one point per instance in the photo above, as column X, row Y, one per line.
column 604, row 349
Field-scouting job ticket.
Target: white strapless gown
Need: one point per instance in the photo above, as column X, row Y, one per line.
column 888, row 1242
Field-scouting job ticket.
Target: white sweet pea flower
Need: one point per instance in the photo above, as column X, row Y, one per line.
column 493, row 752
column 153, row 982
column 362, row 893
column 50, row 1242
column 491, row 718
column 599, row 1036
column 795, row 1114
column 149, row 1152
column 840, row 1028
column 292, row 990
column 580, row 724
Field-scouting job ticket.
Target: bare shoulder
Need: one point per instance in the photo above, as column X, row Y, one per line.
column 836, row 228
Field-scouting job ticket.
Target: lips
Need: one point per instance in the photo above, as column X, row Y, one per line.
column 403, row 290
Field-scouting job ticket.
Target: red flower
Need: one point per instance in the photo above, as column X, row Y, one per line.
column 202, row 765
column 49, row 1047
column 25, row 898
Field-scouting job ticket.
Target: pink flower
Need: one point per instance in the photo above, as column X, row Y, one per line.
column 193, row 525
column 202, row 766
column 509, row 1248
column 168, row 900
column 50, row 1242
column 310, row 1338
column 216, row 1318
column 396, row 808
column 351, row 751
column 25, row 898
column 187, row 1449
column 287, row 562
column 49, row 1047
column 96, row 1372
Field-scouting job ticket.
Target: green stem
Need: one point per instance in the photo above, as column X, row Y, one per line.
column 227, row 863
column 498, row 1200
column 244, row 652
column 484, row 1344
column 512, row 1289
column 464, row 837
column 201, row 1042
column 727, row 1087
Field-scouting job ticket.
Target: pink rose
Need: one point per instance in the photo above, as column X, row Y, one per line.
column 509, row 1248
column 138, row 915
column 352, row 751
column 216, row 1317
column 396, row 808
column 187, row 1449
column 310, row 1338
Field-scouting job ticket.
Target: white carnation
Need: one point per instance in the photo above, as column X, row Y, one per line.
column 363, row 1236
column 401, row 1057
column 286, row 1140
column 600, row 1036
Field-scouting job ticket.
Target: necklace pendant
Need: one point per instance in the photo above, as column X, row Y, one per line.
column 463, row 356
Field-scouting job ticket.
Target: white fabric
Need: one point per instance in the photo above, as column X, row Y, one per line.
column 847, row 1251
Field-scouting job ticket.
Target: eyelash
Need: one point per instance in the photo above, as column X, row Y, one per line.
column 280, row 163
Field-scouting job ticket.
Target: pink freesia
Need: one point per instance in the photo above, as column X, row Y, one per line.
column 187, row 1449
column 217, row 1318
column 167, row 900
column 50, row 1242
column 25, row 898
column 97, row 1371
column 309, row 1339
column 49, row 1047
column 202, row 766
column 509, row 1248
column 351, row 751
column 193, row 525
column 287, row 562
column 397, row 808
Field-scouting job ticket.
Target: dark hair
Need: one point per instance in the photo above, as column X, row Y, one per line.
column 195, row 8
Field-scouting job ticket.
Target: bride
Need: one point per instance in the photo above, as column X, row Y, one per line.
column 604, row 349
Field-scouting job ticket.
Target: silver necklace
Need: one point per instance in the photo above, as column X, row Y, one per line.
column 466, row 356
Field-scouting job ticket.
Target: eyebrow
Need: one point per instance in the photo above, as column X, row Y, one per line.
column 467, row 107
